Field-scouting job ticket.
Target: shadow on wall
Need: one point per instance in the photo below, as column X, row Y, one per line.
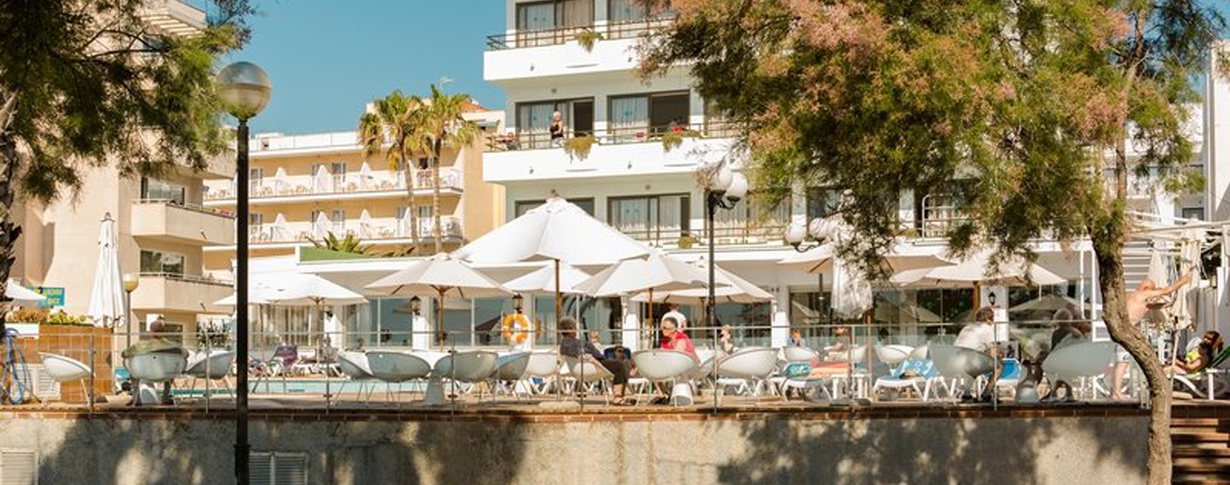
column 982, row 450
column 171, row 451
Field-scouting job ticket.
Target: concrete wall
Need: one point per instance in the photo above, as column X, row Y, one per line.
column 662, row 448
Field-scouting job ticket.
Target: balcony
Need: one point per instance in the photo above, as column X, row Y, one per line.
column 621, row 151
column 377, row 231
column 160, row 219
column 941, row 213
column 536, row 54
column 351, row 186
column 173, row 17
column 167, row 292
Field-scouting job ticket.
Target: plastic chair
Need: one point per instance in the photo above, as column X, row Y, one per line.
column 211, row 368
column 156, row 367
column 1212, row 377
column 65, row 369
column 355, row 367
column 587, row 373
column 1084, row 359
column 470, row 367
column 799, row 354
column 954, row 365
column 542, row 364
column 748, row 369
column 511, row 368
column 663, row 365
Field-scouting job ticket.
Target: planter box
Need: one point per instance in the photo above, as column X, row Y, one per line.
column 24, row 330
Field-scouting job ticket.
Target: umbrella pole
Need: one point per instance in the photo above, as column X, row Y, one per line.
column 652, row 334
column 559, row 303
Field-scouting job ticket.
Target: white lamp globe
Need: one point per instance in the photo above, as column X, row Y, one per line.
column 737, row 189
column 721, row 180
column 820, row 229
column 244, row 89
column 795, row 234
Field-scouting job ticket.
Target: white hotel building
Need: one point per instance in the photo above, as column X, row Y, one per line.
column 632, row 182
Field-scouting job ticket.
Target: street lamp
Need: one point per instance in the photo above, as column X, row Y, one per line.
column 820, row 229
column 131, row 281
column 416, row 305
column 723, row 188
column 518, row 302
column 244, row 89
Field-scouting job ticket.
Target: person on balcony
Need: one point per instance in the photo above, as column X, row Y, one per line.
column 557, row 129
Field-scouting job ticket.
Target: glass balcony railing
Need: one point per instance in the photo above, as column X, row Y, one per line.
column 351, row 183
column 376, row 229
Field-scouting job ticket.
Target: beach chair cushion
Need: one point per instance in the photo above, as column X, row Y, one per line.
column 797, row 369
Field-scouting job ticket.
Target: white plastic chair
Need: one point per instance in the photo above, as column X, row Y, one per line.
column 1084, row 359
column 747, row 369
column 543, row 364
column 215, row 367
column 470, row 367
column 954, row 366
column 663, row 365
column 355, row 367
column 799, row 354
column 588, row 373
column 511, row 369
column 156, row 367
column 66, row 369
column 394, row 367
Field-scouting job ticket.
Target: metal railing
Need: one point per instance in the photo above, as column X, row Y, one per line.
column 202, row 279
column 377, row 229
column 849, row 362
column 186, row 206
column 537, row 140
column 628, row 29
column 350, row 183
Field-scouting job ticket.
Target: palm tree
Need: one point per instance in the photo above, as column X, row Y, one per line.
column 390, row 127
column 347, row 244
column 441, row 123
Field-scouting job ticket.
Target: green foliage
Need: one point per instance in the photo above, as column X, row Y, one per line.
column 881, row 97
column 578, row 147
column 674, row 139
column 440, row 123
column 29, row 315
column 61, row 318
column 91, row 84
column 348, row 244
column 588, row 38
column 391, row 128
column 212, row 335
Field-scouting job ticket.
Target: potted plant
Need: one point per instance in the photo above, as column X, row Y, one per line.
column 578, row 147
column 672, row 139
column 26, row 322
column 587, row 38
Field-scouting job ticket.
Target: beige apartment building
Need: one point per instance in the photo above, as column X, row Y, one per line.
column 161, row 224
column 304, row 187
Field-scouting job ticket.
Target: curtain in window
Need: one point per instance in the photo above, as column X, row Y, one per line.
column 538, row 16
column 631, row 216
column 625, row 10
column 534, row 124
column 629, row 116
column 576, row 13
column 670, row 216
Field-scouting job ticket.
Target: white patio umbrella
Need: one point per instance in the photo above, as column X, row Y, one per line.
column 974, row 270
column 20, row 294
column 107, row 297
column 542, row 280
column 437, row 277
column 323, row 180
column 903, row 258
column 1045, row 303
column 658, row 272
column 1191, row 244
column 556, row 231
column 905, row 312
column 730, row 288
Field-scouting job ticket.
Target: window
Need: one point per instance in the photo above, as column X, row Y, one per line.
column 655, row 218
column 822, row 202
column 1192, row 213
column 534, row 120
column 162, row 262
column 634, row 10
column 18, row 467
column 338, row 169
column 256, row 178
column 633, row 118
column 552, row 22
column 752, row 222
column 278, row 468
column 255, row 221
column 338, row 217
column 717, row 121
column 153, row 189
column 522, row 206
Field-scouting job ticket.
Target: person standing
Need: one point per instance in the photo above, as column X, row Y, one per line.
column 557, row 129
column 1146, row 298
column 672, row 311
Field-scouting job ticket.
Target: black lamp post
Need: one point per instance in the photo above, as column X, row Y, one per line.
column 244, row 88
column 819, row 230
column 518, row 302
column 723, row 188
column 416, row 305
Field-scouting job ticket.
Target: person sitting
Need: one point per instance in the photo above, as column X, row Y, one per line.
column 1199, row 358
column 726, row 344
column 980, row 336
column 1070, row 329
column 157, row 342
column 571, row 346
column 839, row 349
column 796, row 339
column 675, row 339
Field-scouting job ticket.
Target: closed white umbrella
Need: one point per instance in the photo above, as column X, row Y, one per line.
column 280, row 232
column 321, row 226
column 323, row 180
column 20, row 294
column 1191, row 244
column 365, row 224
column 281, row 182
column 851, row 291
column 556, row 231
column 439, row 276
column 365, row 176
column 107, row 297
column 974, row 270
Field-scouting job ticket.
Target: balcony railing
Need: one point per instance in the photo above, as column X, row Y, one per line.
column 187, row 206
column 205, row 280
column 941, row 213
column 537, row 140
column 375, row 230
column 350, row 183
column 545, row 37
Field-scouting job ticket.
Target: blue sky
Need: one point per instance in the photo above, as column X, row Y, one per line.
column 328, row 58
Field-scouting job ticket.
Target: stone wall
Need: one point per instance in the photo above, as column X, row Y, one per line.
column 1027, row 446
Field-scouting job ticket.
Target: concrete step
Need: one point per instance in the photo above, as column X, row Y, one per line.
column 1195, row 422
column 1184, row 461
column 1193, row 479
column 1198, row 436
column 1184, row 452
column 1203, row 468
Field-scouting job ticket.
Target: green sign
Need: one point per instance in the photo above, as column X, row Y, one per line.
column 54, row 294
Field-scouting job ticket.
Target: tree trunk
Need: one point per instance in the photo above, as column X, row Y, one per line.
column 9, row 232
column 408, row 167
column 437, row 230
column 1130, row 336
